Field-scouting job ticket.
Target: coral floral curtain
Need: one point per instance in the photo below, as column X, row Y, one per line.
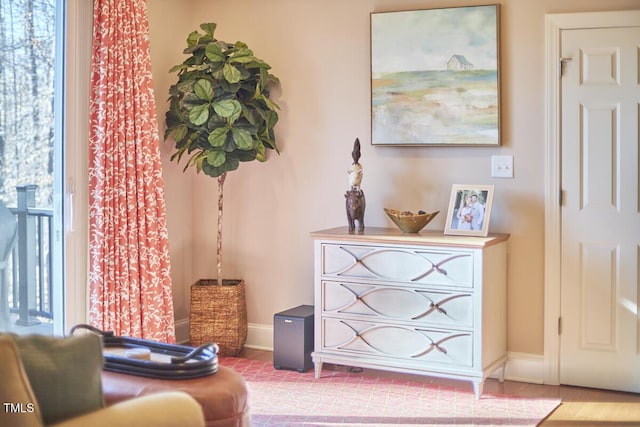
column 129, row 274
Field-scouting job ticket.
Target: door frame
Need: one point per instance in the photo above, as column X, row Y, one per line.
column 75, row 202
column 554, row 25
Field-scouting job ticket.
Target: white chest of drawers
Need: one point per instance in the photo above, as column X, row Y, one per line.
column 417, row 303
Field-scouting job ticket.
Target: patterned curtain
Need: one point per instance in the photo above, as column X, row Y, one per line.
column 129, row 274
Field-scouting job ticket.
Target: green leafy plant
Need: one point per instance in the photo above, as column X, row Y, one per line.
column 220, row 111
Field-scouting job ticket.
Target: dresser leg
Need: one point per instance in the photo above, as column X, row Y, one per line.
column 502, row 370
column 477, row 388
column 317, row 370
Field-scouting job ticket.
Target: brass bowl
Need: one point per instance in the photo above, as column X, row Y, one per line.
column 410, row 222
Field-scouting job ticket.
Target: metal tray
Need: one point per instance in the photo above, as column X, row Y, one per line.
column 167, row 361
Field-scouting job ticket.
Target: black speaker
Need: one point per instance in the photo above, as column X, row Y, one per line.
column 293, row 339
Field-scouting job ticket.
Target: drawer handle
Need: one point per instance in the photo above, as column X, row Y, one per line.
column 438, row 308
column 440, row 270
column 438, row 267
column 440, row 349
column 438, row 345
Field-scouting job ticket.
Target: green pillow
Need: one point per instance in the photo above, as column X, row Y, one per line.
column 19, row 405
column 65, row 373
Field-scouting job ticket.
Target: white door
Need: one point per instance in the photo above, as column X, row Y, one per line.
column 600, row 219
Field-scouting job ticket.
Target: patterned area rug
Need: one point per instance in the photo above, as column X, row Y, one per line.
column 341, row 398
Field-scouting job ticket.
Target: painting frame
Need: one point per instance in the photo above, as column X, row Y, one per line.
column 435, row 77
column 474, row 219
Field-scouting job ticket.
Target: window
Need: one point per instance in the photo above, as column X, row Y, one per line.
column 45, row 53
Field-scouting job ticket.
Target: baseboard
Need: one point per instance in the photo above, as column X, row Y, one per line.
column 521, row 367
column 525, row 367
column 259, row 337
column 182, row 331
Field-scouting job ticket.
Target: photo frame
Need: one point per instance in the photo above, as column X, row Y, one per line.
column 469, row 210
column 435, row 77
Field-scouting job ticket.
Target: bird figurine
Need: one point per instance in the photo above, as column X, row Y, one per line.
column 355, row 153
column 355, row 172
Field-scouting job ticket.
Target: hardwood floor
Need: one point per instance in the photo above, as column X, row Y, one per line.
column 583, row 407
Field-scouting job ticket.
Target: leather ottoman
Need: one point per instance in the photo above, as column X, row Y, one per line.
column 222, row 396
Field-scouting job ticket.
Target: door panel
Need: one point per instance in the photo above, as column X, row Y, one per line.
column 600, row 219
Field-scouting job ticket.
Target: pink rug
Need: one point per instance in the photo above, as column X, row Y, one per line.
column 288, row 398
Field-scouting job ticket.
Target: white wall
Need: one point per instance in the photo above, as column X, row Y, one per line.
column 320, row 51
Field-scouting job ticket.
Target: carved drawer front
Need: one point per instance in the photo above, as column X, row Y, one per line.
column 451, row 309
column 408, row 265
column 398, row 342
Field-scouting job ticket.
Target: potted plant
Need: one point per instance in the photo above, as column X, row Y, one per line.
column 220, row 114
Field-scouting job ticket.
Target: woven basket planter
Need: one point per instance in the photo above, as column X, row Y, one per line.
column 218, row 314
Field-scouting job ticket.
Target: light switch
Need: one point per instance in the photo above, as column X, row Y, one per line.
column 502, row 166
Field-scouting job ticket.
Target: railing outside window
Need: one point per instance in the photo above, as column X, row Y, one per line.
column 30, row 276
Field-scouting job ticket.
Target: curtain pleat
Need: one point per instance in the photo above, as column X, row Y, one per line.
column 130, row 291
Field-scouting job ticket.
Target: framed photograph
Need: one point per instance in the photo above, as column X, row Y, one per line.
column 469, row 210
column 435, row 77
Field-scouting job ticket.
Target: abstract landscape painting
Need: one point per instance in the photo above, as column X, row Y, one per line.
column 435, row 77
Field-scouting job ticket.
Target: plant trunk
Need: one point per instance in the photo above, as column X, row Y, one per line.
column 221, row 179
